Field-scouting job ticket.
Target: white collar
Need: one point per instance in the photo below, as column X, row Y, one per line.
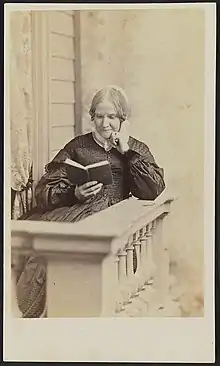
column 105, row 144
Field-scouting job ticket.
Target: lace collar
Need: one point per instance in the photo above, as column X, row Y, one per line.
column 105, row 144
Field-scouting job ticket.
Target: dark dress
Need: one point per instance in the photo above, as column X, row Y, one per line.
column 135, row 172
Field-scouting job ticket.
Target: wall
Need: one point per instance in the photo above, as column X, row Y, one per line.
column 62, row 78
column 158, row 57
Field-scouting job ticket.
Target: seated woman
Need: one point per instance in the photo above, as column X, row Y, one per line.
column 134, row 169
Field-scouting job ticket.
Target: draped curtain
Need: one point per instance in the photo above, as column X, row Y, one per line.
column 21, row 111
column 29, row 271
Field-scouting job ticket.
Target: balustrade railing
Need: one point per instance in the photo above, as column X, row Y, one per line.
column 114, row 263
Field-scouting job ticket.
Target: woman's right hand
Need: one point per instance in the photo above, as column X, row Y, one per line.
column 87, row 190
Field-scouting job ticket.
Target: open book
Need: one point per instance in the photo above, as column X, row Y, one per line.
column 79, row 174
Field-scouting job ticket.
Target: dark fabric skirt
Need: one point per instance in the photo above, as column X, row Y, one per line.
column 73, row 213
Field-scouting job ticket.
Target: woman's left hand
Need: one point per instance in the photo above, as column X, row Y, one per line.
column 120, row 139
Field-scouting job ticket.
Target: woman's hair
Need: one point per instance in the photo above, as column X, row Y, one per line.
column 116, row 96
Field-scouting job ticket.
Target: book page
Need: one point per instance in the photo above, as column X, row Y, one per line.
column 74, row 163
column 101, row 163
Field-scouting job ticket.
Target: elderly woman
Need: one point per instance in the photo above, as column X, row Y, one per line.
column 133, row 167
column 134, row 171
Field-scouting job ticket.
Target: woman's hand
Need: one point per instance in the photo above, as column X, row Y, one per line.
column 120, row 139
column 87, row 190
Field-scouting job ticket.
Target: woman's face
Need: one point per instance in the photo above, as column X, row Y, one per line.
column 106, row 120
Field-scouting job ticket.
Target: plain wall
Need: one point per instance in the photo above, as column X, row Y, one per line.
column 157, row 56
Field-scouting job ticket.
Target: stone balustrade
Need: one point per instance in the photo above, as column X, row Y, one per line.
column 114, row 263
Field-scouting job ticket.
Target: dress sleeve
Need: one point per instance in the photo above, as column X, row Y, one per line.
column 54, row 188
column 146, row 178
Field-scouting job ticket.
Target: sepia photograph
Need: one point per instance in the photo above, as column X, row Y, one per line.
column 106, row 161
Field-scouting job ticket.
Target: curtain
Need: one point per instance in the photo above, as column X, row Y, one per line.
column 21, row 111
column 30, row 294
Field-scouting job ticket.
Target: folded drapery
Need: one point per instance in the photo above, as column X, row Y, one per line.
column 20, row 110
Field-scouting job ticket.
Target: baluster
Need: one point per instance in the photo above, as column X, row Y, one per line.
column 150, row 265
column 16, row 313
column 130, row 267
column 161, row 255
column 138, row 307
column 132, row 280
column 137, row 248
column 122, row 265
column 148, row 268
column 127, row 281
column 143, row 241
column 119, row 307
column 123, row 288
column 129, row 286
column 123, row 276
column 140, row 255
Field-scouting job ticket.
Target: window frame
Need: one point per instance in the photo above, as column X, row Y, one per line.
column 41, row 88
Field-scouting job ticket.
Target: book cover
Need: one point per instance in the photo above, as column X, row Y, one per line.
column 79, row 174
